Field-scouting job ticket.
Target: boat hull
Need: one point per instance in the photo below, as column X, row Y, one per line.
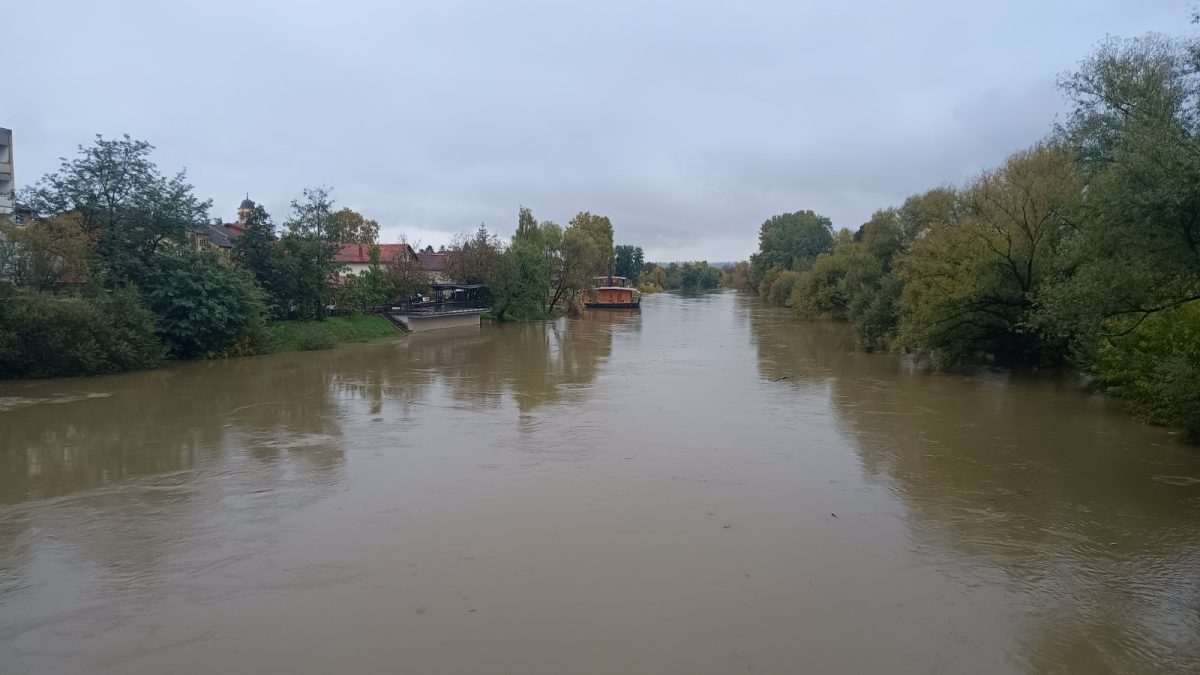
column 613, row 305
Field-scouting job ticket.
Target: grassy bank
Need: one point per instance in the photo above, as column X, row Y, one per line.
column 301, row 336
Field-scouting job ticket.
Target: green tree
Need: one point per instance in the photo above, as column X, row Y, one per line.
column 600, row 229
column 519, row 291
column 43, row 335
column 259, row 252
column 203, row 306
column 1136, row 134
column 308, row 253
column 368, row 288
column 629, row 261
column 575, row 259
column 131, row 210
column 970, row 284
column 791, row 241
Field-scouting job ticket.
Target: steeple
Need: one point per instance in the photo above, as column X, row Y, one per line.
column 244, row 211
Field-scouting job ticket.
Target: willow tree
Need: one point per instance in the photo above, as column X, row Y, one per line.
column 970, row 282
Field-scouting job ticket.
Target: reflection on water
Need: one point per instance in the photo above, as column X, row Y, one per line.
column 705, row 486
column 1030, row 480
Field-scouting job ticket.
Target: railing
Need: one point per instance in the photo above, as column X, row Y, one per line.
column 446, row 307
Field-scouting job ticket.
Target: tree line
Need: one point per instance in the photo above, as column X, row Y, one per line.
column 1083, row 249
column 107, row 273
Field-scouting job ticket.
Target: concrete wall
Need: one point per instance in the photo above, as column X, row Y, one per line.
column 8, row 181
column 437, row 321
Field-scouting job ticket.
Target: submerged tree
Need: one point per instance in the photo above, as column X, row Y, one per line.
column 970, row 283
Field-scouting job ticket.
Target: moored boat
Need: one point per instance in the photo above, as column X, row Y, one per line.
column 613, row 293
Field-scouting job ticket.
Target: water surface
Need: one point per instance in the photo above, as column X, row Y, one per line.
column 708, row 486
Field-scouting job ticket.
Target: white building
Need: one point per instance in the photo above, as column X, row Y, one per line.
column 8, row 183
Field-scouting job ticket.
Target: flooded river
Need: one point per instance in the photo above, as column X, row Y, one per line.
column 708, row 486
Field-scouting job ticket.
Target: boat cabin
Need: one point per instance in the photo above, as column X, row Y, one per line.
column 613, row 293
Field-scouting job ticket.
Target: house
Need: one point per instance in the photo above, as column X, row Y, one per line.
column 356, row 258
column 435, row 264
column 222, row 236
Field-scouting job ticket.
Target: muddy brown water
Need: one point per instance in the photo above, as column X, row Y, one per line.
column 705, row 487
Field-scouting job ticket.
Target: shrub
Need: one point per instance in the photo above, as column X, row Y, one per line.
column 204, row 307
column 53, row 336
column 1156, row 368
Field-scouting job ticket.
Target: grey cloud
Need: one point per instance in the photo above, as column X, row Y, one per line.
column 688, row 123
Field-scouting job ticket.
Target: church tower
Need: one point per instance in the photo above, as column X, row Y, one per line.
column 244, row 211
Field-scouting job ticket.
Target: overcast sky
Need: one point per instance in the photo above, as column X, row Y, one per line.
column 687, row 123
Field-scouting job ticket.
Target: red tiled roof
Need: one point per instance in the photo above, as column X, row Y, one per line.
column 433, row 262
column 361, row 253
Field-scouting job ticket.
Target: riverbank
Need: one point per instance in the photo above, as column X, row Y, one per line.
column 306, row 336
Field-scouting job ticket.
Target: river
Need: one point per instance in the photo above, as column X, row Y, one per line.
column 708, row 486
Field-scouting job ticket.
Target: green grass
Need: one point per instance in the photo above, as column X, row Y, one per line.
column 302, row 336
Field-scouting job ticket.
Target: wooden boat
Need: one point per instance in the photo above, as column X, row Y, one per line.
column 613, row 293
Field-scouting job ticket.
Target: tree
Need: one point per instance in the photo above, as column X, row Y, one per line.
column 259, row 252
column 741, row 277
column 403, row 276
column 367, row 288
column 44, row 335
column 124, row 203
column 791, row 241
column 203, row 306
column 629, row 261
column 475, row 259
column 970, row 284
column 1136, row 134
column 308, row 250
column 519, row 291
column 43, row 254
column 600, row 229
column 575, row 258
column 350, row 227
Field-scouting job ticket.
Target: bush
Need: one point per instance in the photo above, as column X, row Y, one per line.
column 780, row 290
column 1156, row 368
column 51, row 336
column 204, row 307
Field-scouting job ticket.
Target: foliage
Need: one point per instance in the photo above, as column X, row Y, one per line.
column 350, row 227
column 308, row 251
column 124, row 203
column 43, row 335
column 699, row 276
column 629, row 261
column 403, row 277
column 600, row 229
column 476, row 259
column 1135, row 131
column 573, row 257
column 1156, row 368
column 519, row 291
column 367, row 288
column 790, row 241
column 46, row 253
column 741, row 278
column 970, row 283
column 259, row 252
column 203, row 307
